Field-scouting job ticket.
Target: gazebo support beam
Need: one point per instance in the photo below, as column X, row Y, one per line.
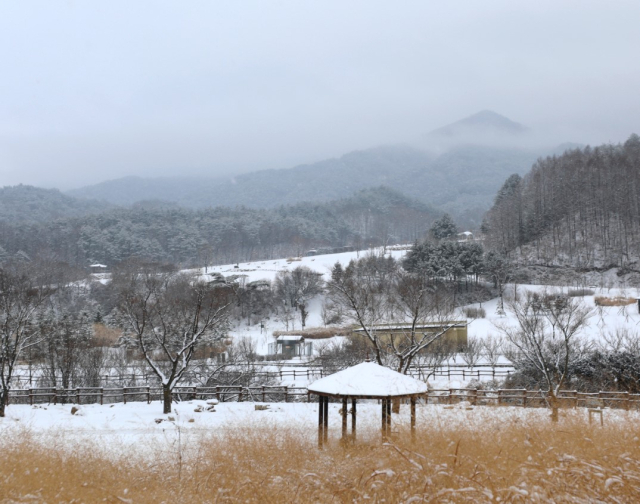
column 320, row 421
column 353, row 418
column 326, row 420
column 413, row 418
column 344, row 419
column 385, row 424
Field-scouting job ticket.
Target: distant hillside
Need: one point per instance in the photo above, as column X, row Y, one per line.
column 32, row 204
column 223, row 235
column 461, row 181
column 322, row 181
column 581, row 208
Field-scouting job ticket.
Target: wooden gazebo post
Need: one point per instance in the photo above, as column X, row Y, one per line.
column 353, row 418
column 320, row 421
column 344, row 419
column 326, row 421
column 386, row 417
column 413, row 417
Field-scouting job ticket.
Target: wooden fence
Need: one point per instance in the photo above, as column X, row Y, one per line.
column 102, row 395
column 225, row 393
column 479, row 373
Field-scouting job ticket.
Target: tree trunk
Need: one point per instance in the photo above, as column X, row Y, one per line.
column 554, row 404
column 166, row 396
column 3, row 401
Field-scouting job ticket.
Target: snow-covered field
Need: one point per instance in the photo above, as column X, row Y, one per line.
column 602, row 320
column 267, row 270
column 135, row 425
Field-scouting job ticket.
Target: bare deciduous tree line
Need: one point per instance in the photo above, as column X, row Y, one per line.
column 584, row 203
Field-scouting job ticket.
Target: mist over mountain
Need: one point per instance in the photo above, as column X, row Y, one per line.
column 483, row 127
column 23, row 203
column 461, row 179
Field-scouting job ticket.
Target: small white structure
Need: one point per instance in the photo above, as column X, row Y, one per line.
column 364, row 381
column 290, row 346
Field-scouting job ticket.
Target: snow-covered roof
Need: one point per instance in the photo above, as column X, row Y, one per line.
column 404, row 327
column 368, row 380
column 98, row 266
column 289, row 338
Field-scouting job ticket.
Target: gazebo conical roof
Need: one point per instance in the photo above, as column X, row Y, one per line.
column 368, row 380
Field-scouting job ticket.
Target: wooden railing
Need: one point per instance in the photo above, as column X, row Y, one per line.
column 458, row 372
column 225, row 393
column 102, row 395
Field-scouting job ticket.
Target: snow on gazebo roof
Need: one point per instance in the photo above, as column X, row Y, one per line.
column 368, row 380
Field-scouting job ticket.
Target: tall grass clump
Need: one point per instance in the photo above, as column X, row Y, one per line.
column 504, row 461
column 613, row 301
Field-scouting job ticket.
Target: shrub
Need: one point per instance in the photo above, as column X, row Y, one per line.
column 580, row 292
column 474, row 312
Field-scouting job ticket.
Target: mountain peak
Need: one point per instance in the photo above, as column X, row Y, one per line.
column 483, row 123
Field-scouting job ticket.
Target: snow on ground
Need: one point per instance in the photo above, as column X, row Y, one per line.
column 267, row 270
column 133, row 426
column 602, row 320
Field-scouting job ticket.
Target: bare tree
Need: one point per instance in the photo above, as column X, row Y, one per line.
column 545, row 337
column 373, row 291
column 168, row 316
column 472, row 352
column 492, row 348
column 360, row 290
column 295, row 288
column 423, row 310
column 23, row 290
column 500, row 270
column 66, row 322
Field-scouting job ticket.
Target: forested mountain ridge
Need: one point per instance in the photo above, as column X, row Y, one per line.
column 322, row 181
column 23, row 203
column 461, row 181
column 221, row 235
column 581, row 209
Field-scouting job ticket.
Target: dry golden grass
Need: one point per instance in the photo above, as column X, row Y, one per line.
column 105, row 336
column 513, row 462
column 613, row 301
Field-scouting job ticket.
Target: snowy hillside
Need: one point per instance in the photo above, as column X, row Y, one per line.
column 267, row 270
column 603, row 320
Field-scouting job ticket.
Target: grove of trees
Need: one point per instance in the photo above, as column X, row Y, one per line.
column 583, row 206
column 169, row 234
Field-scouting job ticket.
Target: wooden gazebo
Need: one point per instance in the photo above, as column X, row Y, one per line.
column 364, row 381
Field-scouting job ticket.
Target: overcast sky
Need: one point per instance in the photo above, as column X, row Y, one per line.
column 95, row 90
